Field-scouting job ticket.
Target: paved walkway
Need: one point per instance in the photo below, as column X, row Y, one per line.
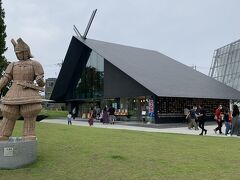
column 178, row 128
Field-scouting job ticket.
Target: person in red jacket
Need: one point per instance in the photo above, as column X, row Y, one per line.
column 218, row 118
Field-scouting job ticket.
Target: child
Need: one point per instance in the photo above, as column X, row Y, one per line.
column 69, row 118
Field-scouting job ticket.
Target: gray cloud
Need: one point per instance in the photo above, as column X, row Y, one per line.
column 188, row 31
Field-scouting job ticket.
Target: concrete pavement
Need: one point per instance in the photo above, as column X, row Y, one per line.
column 178, row 128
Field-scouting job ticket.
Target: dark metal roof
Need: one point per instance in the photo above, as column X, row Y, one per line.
column 161, row 74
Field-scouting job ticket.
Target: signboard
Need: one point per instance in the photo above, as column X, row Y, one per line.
column 143, row 113
column 8, row 151
column 151, row 108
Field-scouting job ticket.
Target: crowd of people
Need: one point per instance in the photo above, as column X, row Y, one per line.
column 197, row 117
column 106, row 115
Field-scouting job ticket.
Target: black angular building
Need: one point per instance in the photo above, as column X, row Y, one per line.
column 137, row 82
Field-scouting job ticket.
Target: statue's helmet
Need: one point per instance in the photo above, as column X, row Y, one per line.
column 21, row 46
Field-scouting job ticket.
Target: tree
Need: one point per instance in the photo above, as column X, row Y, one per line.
column 3, row 35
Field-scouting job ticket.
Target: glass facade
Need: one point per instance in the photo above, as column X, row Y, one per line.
column 173, row 106
column 133, row 107
column 226, row 65
column 90, row 85
column 128, row 108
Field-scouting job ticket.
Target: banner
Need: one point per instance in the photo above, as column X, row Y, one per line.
column 151, row 108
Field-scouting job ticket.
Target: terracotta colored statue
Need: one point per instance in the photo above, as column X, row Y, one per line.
column 23, row 97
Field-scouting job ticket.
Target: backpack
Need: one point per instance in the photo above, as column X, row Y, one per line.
column 192, row 114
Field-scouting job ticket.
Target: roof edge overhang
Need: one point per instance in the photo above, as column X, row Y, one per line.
column 156, row 93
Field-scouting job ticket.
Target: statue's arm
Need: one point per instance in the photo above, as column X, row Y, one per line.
column 7, row 76
column 39, row 74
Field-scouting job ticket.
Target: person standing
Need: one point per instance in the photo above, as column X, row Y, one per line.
column 91, row 117
column 74, row 113
column 235, row 115
column 98, row 113
column 69, row 118
column 105, row 115
column 202, row 119
column 111, row 114
column 218, row 118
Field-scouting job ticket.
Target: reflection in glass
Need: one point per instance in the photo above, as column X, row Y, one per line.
column 90, row 84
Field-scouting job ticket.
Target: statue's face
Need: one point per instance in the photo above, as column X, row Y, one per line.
column 22, row 55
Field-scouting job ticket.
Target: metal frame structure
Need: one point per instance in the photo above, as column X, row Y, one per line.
column 225, row 65
column 87, row 28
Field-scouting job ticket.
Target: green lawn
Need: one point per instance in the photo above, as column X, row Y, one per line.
column 52, row 114
column 73, row 152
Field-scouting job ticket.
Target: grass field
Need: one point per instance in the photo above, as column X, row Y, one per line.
column 51, row 114
column 73, row 152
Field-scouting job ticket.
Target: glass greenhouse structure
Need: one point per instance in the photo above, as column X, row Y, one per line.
column 226, row 65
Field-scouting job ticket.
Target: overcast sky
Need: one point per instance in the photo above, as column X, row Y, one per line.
column 185, row 30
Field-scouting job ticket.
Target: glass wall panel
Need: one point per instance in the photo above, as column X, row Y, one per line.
column 90, row 84
column 226, row 65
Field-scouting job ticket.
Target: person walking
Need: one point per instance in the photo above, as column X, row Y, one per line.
column 197, row 113
column 226, row 120
column 235, row 115
column 218, row 118
column 69, row 118
column 202, row 119
column 193, row 117
column 186, row 111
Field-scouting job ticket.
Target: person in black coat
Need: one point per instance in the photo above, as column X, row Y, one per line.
column 235, row 115
column 202, row 119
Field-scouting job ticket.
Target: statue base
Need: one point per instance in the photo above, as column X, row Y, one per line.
column 17, row 152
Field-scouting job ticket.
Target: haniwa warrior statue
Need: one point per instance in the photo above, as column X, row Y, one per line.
column 23, row 97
